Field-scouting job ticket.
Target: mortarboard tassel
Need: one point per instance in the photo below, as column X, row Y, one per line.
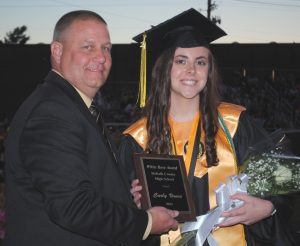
column 143, row 77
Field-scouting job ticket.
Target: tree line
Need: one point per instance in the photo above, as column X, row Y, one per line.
column 16, row 36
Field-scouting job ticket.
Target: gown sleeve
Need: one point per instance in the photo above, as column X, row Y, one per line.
column 248, row 134
column 128, row 146
column 283, row 228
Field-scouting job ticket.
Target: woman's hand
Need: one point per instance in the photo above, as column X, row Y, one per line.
column 135, row 192
column 254, row 209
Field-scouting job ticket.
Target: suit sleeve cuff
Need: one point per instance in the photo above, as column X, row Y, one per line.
column 149, row 226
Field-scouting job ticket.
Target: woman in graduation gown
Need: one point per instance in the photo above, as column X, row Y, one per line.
column 184, row 116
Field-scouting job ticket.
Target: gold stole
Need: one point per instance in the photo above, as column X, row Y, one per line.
column 230, row 113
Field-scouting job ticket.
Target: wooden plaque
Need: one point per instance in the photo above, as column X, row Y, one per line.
column 164, row 181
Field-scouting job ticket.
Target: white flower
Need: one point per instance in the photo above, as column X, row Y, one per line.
column 282, row 174
column 271, row 174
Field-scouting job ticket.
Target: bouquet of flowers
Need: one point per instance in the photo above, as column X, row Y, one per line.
column 186, row 239
column 271, row 168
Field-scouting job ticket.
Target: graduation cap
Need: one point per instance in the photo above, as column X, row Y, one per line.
column 186, row 30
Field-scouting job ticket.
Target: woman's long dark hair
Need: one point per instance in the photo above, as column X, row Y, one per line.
column 158, row 106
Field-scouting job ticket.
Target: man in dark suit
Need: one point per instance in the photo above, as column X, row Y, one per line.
column 63, row 183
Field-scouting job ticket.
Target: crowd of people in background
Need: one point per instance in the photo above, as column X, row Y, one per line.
column 274, row 103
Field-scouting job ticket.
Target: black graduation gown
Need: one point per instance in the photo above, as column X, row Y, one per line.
column 278, row 230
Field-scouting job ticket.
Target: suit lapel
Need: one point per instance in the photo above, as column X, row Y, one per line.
column 72, row 94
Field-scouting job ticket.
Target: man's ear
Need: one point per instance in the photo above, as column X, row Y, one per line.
column 56, row 51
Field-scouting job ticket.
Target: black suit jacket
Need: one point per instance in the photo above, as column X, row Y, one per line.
column 63, row 187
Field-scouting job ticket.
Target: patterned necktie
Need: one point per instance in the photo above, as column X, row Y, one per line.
column 94, row 111
column 97, row 115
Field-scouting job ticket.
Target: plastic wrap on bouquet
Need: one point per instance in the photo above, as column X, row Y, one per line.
column 271, row 167
column 195, row 233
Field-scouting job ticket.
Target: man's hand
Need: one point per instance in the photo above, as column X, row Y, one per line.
column 253, row 210
column 163, row 220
